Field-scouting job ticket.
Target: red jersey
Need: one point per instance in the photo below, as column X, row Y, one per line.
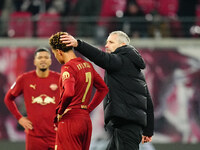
column 41, row 96
column 76, row 82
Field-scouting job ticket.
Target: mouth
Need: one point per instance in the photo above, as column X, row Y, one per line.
column 108, row 51
column 43, row 64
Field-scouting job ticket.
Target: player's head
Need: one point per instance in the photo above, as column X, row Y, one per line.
column 116, row 39
column 58, row 47
column 42, row 58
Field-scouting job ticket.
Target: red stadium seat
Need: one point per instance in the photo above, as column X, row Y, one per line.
column 198, row 15
column 168, row 7
column 48, row 24
column 20, row 25
column 147, row 5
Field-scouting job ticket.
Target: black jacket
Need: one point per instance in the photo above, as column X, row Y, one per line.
column 128, row 96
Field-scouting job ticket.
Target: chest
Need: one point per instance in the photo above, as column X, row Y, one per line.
column 40, row 86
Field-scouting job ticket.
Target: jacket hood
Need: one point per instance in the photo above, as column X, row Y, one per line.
column 134, row 56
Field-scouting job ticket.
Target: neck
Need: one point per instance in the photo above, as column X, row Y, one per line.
column 69, row 55
column 42, row 74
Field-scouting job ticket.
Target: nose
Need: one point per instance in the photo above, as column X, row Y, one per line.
column 106, row 46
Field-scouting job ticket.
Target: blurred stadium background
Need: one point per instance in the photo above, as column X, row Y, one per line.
column 166, row 32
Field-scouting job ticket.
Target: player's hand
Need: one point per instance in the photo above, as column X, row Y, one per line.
column 59, row 117
column 69, row 40
column 26, row 123
column 146, row 139
column 55, row 126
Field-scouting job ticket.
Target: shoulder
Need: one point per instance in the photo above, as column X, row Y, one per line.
column 22, row 78
column 68, row 68
column 26, row 75
column 125, row 49
column 54, row 73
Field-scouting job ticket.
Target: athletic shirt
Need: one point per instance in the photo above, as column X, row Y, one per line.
column 76, row 82
column 41, row 96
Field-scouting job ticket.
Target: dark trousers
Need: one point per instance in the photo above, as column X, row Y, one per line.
column 124, row 136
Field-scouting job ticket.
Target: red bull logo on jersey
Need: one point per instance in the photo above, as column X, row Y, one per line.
column 43, row 99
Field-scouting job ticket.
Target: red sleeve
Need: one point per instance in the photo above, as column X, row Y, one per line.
column 9, row 101
column 68, row 85
column 17, row 88
column 101, row 91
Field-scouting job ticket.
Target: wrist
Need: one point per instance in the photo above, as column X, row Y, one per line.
column 78, row 43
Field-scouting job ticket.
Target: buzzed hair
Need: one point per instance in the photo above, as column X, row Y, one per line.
column 55, row 42
column 122, row 37
column 42, row 49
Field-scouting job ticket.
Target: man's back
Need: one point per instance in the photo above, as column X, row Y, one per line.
column 82, row 73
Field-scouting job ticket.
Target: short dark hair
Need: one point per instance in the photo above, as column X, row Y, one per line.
column 55, row 42
column 42, row 49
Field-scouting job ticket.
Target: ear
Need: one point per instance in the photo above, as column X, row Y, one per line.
column 34, row 62
column 59, row 52
column 50, row 61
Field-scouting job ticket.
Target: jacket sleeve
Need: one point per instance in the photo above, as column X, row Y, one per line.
column 101, row 91
column 148, row 130
column 100, row 58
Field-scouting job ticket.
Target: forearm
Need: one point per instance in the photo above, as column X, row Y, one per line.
column 66, row 96
column 98, row 97
column 92, row 53
column 101, row 91
column 64, row 104
column 9, row 102
column 148, row 131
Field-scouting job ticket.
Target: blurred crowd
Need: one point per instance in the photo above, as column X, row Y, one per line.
column 96, row 18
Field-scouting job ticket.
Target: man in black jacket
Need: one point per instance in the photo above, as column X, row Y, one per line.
column 128, row 107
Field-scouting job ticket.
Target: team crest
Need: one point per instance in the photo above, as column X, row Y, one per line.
column 53, row 87
column 65, row 75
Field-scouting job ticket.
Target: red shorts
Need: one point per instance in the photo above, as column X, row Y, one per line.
column 74, row 131
column 39, row 143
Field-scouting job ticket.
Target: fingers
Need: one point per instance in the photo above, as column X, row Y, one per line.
column 55, row 127
column 68, row 40
column 27, row 124
column 65, row 38
column 59, row 117
column 146, row 139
